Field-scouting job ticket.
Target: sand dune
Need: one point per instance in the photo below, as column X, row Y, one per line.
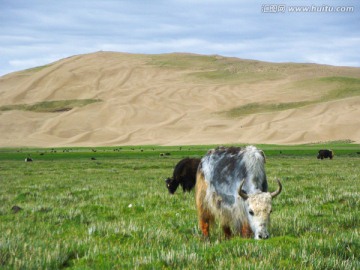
column 178, row 99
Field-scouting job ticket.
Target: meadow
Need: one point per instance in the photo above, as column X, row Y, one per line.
column 108, row 208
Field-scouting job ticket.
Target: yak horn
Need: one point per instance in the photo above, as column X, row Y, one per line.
column 241, row 193
column 277, row 192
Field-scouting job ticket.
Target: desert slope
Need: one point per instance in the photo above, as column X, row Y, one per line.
column 176, row 99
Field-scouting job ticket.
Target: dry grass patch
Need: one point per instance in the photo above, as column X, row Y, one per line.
column 50, row 106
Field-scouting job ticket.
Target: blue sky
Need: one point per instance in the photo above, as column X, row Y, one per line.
column 37, row 32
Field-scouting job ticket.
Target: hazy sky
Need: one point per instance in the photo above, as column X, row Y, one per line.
column 37, row 32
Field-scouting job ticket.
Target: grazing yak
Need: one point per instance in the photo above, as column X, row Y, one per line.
column 325, row 154
column 231, row 187
column 184, row 175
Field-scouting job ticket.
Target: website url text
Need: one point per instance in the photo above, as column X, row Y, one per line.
column 281, row 8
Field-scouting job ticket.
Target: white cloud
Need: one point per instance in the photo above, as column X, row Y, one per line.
column 48, row 30
column 32, row 62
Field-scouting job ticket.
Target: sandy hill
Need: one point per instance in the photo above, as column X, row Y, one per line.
column 108, row 98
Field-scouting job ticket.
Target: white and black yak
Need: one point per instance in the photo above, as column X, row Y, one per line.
column 231, row 188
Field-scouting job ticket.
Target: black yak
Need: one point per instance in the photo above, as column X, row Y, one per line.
column 184, row 175
column 325, row 154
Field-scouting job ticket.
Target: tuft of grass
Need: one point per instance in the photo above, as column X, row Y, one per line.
column 232, row 76
column 253, row 108
column 36, row 69
column 183, row 61
column 50, row 106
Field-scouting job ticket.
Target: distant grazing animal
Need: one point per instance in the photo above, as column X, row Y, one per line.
column 28, row 159
column 16, row 209
column 231, row 187
column 184, row 175
column 325, row 154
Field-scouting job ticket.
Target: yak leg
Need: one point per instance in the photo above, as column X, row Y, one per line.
column 205, row 217
column 205, row 220
column 204, row 226
column 246, row 231
column 227, row 231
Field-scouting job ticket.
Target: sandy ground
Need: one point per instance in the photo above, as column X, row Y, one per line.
column 143, row 103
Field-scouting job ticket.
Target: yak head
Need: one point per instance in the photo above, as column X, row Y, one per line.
column 258, row 209
column 171, row 185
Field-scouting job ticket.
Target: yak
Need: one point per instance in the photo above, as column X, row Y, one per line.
column 184, row 175
column 324, row 153
column 231, row 187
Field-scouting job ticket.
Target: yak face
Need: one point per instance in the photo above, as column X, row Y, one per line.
column 171, row 185
column 258, row 208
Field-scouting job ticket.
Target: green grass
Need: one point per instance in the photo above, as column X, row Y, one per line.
column 218, row 69
column 253, row 108
column 50, row 106
column 115, row 212
column 343, row 87
column 183, row 61
column 344, row 148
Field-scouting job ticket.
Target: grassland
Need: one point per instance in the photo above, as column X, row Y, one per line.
column 114, row 212
column 50, row 106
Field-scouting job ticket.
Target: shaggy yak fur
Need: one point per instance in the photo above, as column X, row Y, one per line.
column 231, row 187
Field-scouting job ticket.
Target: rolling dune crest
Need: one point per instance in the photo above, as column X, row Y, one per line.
column 179, row 99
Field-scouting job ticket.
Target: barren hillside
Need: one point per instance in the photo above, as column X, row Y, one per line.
column 108, row 98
